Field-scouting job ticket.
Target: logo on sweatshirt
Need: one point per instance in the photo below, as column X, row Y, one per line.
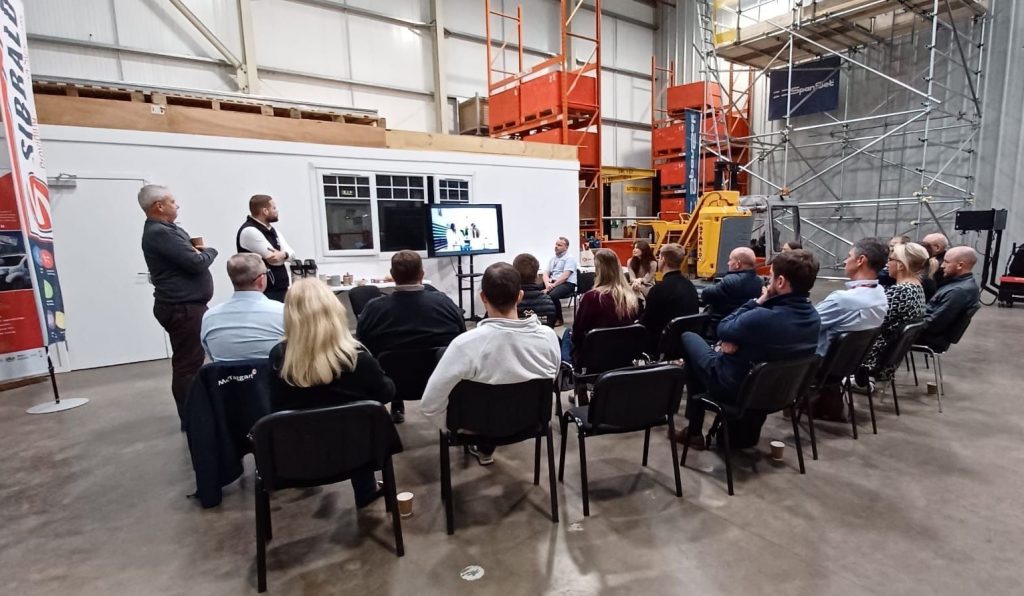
column 237, row 378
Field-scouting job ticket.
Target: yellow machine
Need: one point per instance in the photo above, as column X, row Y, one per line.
column 717, row 225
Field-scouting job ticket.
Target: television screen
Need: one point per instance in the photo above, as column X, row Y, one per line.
column 462, row 230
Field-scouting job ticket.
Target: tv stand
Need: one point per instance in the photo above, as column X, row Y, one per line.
column 471, row 288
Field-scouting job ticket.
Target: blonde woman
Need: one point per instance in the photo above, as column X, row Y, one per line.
column 319, row 364
column 906, row 302
column 612, row 303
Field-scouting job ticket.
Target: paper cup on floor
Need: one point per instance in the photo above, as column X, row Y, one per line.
column 778, row 447
column 405, row 504
column 932, row 388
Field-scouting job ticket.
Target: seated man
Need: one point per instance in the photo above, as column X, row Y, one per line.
column 249, row 324
column 959, row 294
column 560, row 278
column 411, row 318
column 502, row 349
column 674, row 296
column 740, row 284
column 937, row 244
column 778, row 325
column 535, row 301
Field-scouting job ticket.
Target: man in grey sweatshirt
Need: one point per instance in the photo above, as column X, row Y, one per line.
column 502, row 349
column 182, row 285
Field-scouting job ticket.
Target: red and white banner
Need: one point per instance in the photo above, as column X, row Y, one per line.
column 26, row 233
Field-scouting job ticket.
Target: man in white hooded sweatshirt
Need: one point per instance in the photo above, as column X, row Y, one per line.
column 502, row 349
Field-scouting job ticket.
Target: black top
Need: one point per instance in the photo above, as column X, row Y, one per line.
column 732, row 292
column 950, row 303
column 279, row 278
column 367, row 381
column 536, row 302
column 409, row 320
column 940, row 276
column 674, row 296
column 179, row 273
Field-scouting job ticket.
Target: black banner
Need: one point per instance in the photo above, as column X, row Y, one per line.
column 814, row 88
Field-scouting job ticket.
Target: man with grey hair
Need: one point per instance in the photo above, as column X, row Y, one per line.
column 952, row 301
column 179, row 269
column 249, row 324
column 740, row 284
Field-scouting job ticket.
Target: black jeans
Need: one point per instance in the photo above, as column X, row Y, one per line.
column 275, row 294
column 182, row 322
column 556, row 294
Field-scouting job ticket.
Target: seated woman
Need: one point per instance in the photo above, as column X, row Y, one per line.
column 642, row 267
column 612, row 303
column 319, row 364
column 906, row 304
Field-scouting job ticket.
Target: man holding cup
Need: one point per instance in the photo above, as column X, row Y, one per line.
column 179, row 269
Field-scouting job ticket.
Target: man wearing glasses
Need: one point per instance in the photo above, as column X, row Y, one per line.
column 249, row 324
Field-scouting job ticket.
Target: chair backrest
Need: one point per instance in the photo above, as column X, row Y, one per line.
column 773, row 386
column 671, row 345
column 410, row 370
column 585, row 281
column 499, row 411
column 896, row 350
column 637, row 397
column 845, row 353
column 608, row 348
column 360, row 296
column 956, row 331
column 298, row 448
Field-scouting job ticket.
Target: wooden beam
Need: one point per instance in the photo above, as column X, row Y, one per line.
column 401, row 139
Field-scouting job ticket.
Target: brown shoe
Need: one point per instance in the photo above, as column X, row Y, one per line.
column 683, row 436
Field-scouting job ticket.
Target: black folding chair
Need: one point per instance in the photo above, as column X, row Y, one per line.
column 410, row 370
column 769, row 387
column 627, row 400
column 584, row 283
column 605, row 349
column 360, row 296
column 303, row 448
column 953, row 336
column 895, row 352
column 845, row 353
column 493, row 415
column 671, row 345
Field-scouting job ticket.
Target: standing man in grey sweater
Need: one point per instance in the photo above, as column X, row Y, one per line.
column 182, row 285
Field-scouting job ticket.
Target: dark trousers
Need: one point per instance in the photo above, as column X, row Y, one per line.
column 701, row 378
column 557, row 293
column 182, row 322
column 275, row 294
column 364, row 485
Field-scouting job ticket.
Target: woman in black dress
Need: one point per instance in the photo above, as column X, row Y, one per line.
column 906, row 302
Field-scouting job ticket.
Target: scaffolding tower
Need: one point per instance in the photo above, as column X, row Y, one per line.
column 899, row 153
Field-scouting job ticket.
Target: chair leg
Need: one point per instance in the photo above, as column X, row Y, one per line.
column 871, row 408
column 391, row 497
column 906, row 361
column 261, row 539
column 895, row 398
column 551, row 477
column 728, row 456
column 913, row 365
column 564, row 428
column 853, row 413
column 939, row 389
column 446, row 487
column 647, row 444
column 268, row 526
column 583, row 473
column 675, row 455
column 926, row 361
column 796, row 439
column 686, row 449
column 810, row 427
column 442, row 451
column 536, row 461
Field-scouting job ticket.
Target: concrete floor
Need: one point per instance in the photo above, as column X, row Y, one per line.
column 92, row 501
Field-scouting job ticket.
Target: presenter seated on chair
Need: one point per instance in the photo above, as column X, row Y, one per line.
column 560, row 277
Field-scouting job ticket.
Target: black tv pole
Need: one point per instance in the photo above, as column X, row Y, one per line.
column 471, row 288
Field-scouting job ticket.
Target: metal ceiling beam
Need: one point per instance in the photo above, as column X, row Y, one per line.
column 245, row 29
column 443, row 116
column 240, row 69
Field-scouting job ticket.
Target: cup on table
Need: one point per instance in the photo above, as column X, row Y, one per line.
column 405, row 504
column 334, row 280
column 197, row 241
column 778, row 447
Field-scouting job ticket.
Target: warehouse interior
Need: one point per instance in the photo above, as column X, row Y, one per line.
column 707, row 125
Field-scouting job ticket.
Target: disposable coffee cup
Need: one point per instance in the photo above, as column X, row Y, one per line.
column 197, row 241
column 932, row 388
column 405, row 504
column 334, row 280
column 777, row 449
column 324, row 277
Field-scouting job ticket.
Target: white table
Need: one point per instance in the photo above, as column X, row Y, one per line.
column 383, row 285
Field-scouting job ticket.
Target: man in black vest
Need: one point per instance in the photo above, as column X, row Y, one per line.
column 257, row 235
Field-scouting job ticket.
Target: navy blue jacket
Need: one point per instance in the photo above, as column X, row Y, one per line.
column 783, row 327
column 735, row 288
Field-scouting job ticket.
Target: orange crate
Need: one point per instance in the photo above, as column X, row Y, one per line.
column 691, row 96
column 737, row 125
column 542, row 96
column 589, row 152
column 504, row 109
column 669, row 139
column 671, row 209
column 673, row 173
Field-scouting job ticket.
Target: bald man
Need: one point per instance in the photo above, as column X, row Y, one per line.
column 936, row 244
column 959, row 294
column 737, row 286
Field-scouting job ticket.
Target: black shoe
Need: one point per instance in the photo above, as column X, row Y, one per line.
column 376, row 495
column 398, row 416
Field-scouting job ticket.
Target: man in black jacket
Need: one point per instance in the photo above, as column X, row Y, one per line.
column 937, row 244
column 535, row 301
column 782, row 323
column 182, row 285
column 674, row 296
column 740, row 284
column 411, row 318
column 958, row 295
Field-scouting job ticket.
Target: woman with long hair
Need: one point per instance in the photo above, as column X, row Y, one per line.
column 319, row 364
column 611, row 303
column 906, row 303
column 642, row 267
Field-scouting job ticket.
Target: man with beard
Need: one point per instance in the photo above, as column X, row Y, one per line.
column 258, row 235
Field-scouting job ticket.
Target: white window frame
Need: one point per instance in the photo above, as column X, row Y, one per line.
column 437, row 188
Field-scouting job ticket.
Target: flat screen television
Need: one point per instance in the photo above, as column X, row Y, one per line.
column 464, row 230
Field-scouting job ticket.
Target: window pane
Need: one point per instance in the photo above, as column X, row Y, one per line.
column 416, row 181
column 401, row 193
column 402, row 225
column 383, row 193
column 400, row 181
column 464, row 195
column 416, row 193
column 364, row 192
column 330, row 179
column 346, row 180
column 330, row 191
column 383, row 180
column 349, row 225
